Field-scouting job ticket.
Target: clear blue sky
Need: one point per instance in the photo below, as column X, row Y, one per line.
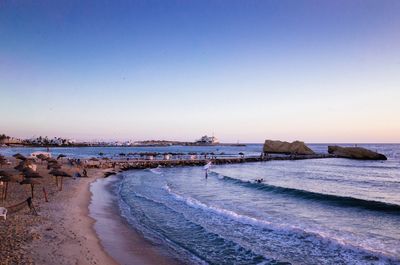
column 318, row 71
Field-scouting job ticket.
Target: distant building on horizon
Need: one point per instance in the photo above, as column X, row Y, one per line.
column 207, row 140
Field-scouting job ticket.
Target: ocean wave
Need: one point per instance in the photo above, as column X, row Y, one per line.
column 181, row 241
column 329, row 198
column 319, row 238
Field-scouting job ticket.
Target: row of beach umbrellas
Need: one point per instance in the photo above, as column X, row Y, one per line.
column 26, row 169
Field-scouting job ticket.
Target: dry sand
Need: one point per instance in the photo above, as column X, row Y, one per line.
column 61, row 233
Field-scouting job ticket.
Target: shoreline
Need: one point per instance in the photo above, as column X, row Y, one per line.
column 118, row 238
column 67, row 231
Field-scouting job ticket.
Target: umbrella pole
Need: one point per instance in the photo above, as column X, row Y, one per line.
column 61, row 183
column 5, row 194
column 45, row 195
column 32, row 190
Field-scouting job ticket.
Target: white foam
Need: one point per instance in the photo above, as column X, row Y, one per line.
column 318, row 237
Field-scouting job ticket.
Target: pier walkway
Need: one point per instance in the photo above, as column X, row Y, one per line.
column 142, row 164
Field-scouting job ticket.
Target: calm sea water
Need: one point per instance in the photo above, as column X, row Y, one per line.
column 84, row 152
column 321, row 211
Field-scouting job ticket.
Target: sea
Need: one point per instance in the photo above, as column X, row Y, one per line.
column 316, row 211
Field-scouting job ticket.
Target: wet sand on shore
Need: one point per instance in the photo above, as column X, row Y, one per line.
column 120, row 240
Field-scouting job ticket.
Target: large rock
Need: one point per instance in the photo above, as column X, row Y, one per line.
column 355, row 153
column 279, row 147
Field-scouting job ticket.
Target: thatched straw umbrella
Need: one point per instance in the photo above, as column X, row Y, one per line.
column 32, row 182
column 6, row 177
column 3, row 160
column 51, row 163
column 28, row 163
column 59, row 173
column 42, row 157
column 61, row 156
column 54, row 166
column 29, row 173
column 19, row 156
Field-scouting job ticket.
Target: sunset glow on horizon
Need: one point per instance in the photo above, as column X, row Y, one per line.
column 316, row 71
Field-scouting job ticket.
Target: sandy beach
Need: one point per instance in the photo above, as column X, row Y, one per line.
column 63, row 231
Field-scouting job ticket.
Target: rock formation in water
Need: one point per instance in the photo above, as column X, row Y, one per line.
column 355, row 153
column 279, row 147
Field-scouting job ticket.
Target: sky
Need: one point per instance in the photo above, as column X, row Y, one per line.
column 316, row 71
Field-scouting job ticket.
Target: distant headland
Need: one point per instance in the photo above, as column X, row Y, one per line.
column 45, row 141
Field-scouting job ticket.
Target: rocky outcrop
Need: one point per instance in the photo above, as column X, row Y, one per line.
column 279, row 147
column 355, row 153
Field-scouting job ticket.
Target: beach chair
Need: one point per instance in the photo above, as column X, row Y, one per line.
column 3, row 212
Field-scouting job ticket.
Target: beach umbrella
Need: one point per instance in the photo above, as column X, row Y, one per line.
column 54, row 166
column 19, row 156
column 29, row 173
column 3, row 160
column 52, row 163
column 32, row 182
column 61, row 156
column 55, row 170
column 93, row 159
column 42, row 157
column 20, row 166
column 28, row 163
column 6, row 177
column 51, row 160
column 59, row 173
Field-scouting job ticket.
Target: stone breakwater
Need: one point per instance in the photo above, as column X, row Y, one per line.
column 143, row 164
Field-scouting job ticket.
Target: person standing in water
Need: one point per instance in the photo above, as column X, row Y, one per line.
column 206, row 167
